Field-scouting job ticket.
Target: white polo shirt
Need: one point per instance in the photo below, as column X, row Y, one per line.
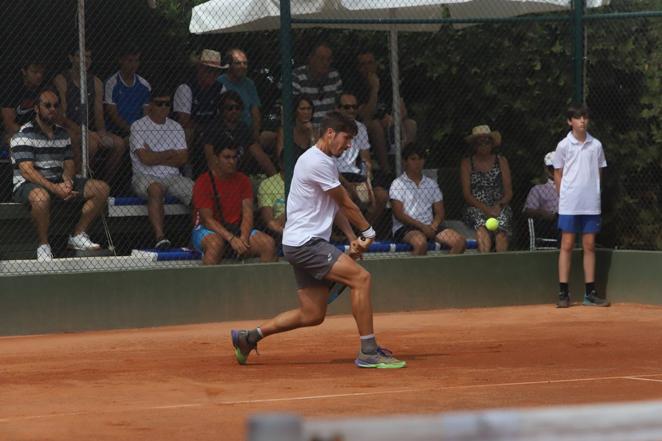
column 417, row 200
column 580, row 185
column 310, row 210
column 347, row 161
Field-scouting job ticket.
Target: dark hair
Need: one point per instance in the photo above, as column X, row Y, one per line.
column 317, row 45
column 32, row 62
column 412, row 149
column 74, row 48
column 577, row 110
column 338, row 122
column 297, row 101
column 159, row 90
column 229, row 54
column 45, row 89
column 342, row 94
column 129, row 49
column 225, row 141
column 229, row 95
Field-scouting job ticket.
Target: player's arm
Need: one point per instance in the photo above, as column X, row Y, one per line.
column 558, row 175
column 349, row 208
column 342, row 223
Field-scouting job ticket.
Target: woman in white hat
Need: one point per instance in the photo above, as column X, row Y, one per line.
column 487, row 188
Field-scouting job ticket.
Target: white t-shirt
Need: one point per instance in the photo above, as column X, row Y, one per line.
column 347, row 161
column 310, row 209
column 417, row 200
column 183, row 99
column 580, row 184
column 159, row 137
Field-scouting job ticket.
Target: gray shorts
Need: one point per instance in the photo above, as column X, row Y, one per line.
column 22, row 193
column 312, row 261
column 180, row 187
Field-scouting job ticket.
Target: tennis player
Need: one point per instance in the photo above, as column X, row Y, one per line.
column 317, row 200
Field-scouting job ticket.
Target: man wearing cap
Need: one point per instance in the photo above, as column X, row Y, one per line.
column 196, row 102
column 543, row 201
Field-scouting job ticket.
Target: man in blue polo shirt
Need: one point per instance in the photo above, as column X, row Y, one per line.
column 235, row 79
column 126, row 93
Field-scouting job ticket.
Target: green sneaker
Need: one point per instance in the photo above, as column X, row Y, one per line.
column 382, row 359
column 592, row 299
column 241, row 345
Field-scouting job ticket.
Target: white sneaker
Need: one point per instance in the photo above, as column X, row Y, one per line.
column 44, row 253
column 82, row 242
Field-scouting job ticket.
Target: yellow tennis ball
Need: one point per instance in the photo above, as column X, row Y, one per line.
column 492, row 224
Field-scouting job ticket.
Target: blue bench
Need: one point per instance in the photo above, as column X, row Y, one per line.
column 132, row 206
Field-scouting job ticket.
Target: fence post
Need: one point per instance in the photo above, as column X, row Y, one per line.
column 578, row 49
column 286, row 83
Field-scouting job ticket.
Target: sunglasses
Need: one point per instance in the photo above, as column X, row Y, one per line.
column 161, row 103
column 484, row 141
column 231, row 107
column 50, row 105
column 350, row 106
column 240, row 63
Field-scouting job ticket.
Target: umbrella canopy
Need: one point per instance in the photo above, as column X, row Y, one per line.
column 216, row 16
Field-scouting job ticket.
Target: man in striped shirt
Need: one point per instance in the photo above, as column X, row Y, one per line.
column 318, row 81
column 44, row 170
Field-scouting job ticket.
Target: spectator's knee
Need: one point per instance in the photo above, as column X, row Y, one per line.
column 39, row 198
column 419, row 246
column 98, row 189
column 155, row 191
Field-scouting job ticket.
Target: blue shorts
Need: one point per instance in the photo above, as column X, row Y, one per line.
column 200, row 232
column 580, row 223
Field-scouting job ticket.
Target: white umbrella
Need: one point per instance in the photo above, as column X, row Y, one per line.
column 222, row 16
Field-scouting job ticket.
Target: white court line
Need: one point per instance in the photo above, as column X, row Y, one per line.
column 644, row 379
column 322, row 397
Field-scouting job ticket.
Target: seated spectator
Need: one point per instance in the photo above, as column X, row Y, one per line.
column 375, row 96
column 229, row 125
column 355, row 166
column 126, row 94
column 67, row 84
column 487, row 189
column 236, row 80
column 196, row 104
column 44, row 170
column 223, row 215
column 271, row 202
column 304, row 135
column 318, row 81
column 542, row 203
column 18, row 98
column 158, row 149
column 418, row 207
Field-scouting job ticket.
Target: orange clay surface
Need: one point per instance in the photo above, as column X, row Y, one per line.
column 182, row 383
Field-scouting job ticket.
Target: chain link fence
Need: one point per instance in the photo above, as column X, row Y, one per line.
column 481, row 105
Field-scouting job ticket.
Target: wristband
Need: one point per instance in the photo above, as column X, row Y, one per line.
column 368, row 233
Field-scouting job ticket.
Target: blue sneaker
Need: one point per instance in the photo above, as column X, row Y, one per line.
column 241, row 345
column 382, row 359
column 592, row 299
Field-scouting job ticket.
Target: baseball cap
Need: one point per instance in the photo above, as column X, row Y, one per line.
column 549, row 159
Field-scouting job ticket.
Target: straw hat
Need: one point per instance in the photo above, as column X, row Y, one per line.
column 484, row 131
column 211, row 58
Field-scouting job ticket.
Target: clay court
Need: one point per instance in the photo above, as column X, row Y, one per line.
column 182, row 382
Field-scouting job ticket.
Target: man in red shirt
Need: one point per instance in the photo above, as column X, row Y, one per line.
column 223, row 212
